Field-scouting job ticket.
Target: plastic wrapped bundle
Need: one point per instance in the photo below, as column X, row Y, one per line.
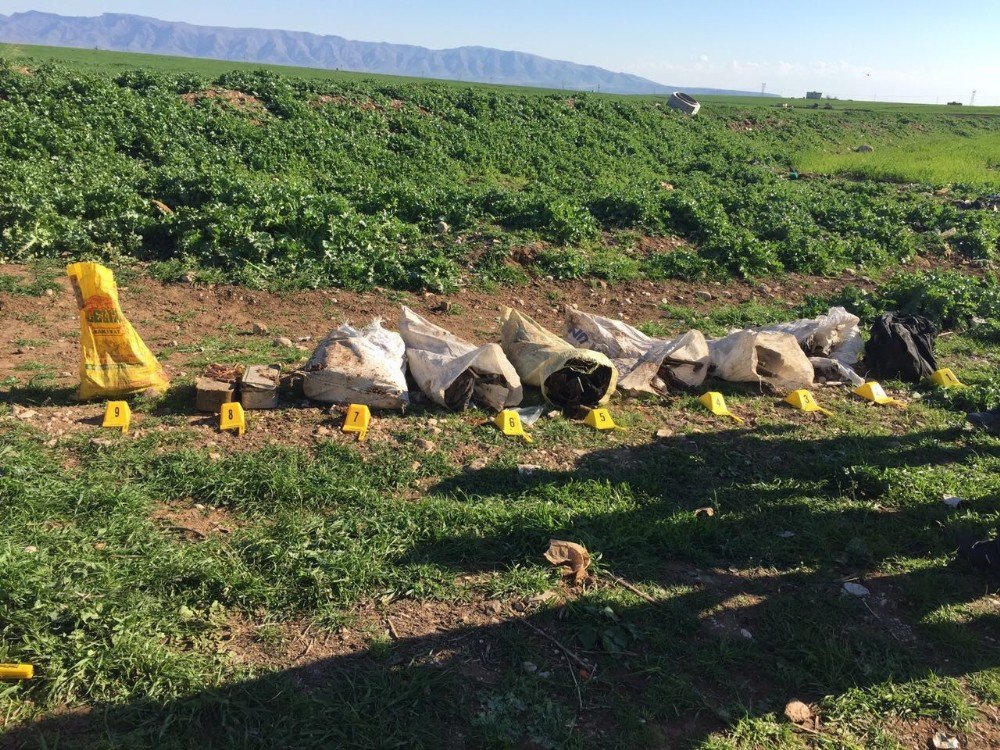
column 644, row 363
column 455, row 373
column 774, row 360
column 569, row 377
column 358, row 367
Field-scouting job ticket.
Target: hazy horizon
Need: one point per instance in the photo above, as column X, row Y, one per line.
column 896, row 51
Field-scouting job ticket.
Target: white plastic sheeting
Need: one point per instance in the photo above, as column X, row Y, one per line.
column 644, row 363
column 569, row 377
column 455, row 373
column 352, row 366
column 772, row 359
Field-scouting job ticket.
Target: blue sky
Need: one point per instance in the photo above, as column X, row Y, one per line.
column 916, row 50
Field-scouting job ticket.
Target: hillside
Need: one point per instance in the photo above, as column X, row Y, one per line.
column 275, row 180
column 130, row 33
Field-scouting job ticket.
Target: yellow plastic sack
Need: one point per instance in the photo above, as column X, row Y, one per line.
column 114, row 361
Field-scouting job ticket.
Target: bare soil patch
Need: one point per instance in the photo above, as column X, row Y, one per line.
column 236, row 99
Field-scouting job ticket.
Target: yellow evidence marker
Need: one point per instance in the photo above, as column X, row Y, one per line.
column 16, row 671
column 117, row 416
column 803, row 401
column 872, row 391
column 231, row 417
column 945, row 378
column 715, row 403
column 358, row 418
column 600, row 419
column 509, row 422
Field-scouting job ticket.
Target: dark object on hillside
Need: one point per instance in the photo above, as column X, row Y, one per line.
column 684, row 103
column 901, row 347
column 988, row 421
column 983, row 555
column 983, row 203
column 864, row 148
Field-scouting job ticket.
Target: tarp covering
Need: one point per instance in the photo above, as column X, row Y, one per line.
column 568, row 376
column 455, row 373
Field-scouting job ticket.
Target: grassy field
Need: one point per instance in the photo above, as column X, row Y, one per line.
column 277, row 180
column 930, row 159
column 176, row 589
column 180, row 588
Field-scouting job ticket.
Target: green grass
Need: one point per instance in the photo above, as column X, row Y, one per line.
column 324, row 180
column 131, row 618
column 930, row 159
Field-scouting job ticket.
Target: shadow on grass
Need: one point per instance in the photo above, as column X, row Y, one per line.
column 750, row 610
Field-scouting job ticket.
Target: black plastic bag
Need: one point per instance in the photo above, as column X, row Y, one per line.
column 901, row 347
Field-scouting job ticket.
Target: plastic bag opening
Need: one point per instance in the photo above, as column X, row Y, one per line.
column 578, row 383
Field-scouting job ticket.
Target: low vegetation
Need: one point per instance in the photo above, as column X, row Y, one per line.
column 177, row 588
column 272, row 180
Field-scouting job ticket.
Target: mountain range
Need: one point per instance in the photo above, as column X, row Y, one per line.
column 131, row 33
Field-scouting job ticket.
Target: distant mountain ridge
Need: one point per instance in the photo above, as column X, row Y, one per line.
column 131, row 33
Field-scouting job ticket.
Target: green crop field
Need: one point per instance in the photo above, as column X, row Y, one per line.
column 277, row 179
column 179, row 588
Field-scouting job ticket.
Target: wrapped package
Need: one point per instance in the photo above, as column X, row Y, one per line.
column 352, row 366
column 643, row 363
column 455, row 373
column 569, row 377
column 772, row 359
column 835, row 335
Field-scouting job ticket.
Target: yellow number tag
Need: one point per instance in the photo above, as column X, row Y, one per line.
column 117, row 416
column 715, row 403
column 874, row 392
column 600, row 419
column 509, row 422
column 803, row 401
column 231, row 417
column 358, row 419
column 945, row 378
column 16, row 671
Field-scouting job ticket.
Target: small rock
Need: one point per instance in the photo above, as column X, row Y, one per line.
column 415, row 466
column 50, row 293
column 746, row 634
column 436, row 430
column 527, row 468
column 553, row 414
column 442, row 227
column 21, row 412
column 786, row 534
column 703, row 294
column 945, row 741
column 100, row 546
column 31, row 549
column 864, row 148
column 258, row 328
column 952, row 501
column 529, row 667
column 65, row 375
column 798, row 712
column 426, row 445
column 856, row 589
column 100, row 442
column 493, row 606
column 189, row 277
column 283, row 341
column 478, row 465
column 664, row 432
column 215, row 456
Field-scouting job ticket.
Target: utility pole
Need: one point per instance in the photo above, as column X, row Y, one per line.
column 763, row 88
column 972, row 99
